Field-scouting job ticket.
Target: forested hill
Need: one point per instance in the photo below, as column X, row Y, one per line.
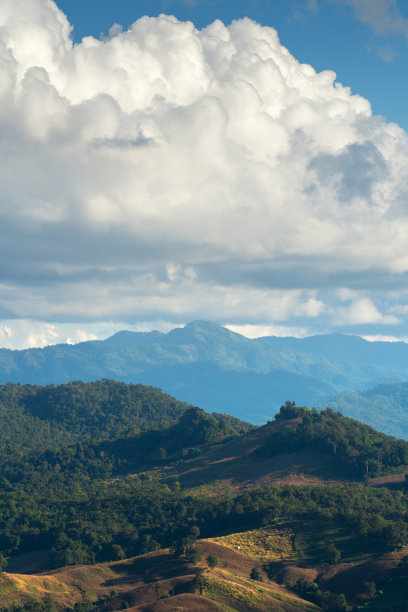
column 361, row 450
column 207, row 365
column 36, row 418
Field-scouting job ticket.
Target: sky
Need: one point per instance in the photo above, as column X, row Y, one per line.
column 165, row 161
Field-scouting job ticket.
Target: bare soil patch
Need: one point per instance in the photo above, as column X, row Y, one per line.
column 392, row 481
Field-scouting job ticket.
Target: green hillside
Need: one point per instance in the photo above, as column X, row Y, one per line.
column 300, row 496
column 35, row 417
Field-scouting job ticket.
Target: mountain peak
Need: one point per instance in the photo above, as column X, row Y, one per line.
column 208, row 326
column 131, row 338
column 204, row 330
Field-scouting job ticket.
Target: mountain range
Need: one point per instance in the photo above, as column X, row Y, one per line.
column 208, row 365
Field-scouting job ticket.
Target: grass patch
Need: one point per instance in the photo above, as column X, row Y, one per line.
column 268, row 590
column 7, row 585
column 246, row 595
column 266, row 544
column 215, row 487
column 312, row 539
column 238, row 596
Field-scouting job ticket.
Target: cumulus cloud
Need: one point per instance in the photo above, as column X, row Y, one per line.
column 362, row 311
column 25, row 333
column 171, row 172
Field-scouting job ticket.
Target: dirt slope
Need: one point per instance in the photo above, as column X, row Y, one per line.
column 234, row 467
column 157, row 581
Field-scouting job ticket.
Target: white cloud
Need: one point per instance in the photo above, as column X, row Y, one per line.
column 362, row 311
column 25, row 333
column 382, row 338
column 166, row 172
column 81, row 335
column 259, row 331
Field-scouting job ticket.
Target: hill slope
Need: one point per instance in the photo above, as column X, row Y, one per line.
column 106, row 417
column 156, row 581
column 311, row 448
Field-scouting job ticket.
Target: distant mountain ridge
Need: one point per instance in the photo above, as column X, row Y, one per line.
column 210, row 366
column 384, row 406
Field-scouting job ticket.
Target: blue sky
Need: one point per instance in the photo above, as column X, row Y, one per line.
column 367, row 54
column 252, row 171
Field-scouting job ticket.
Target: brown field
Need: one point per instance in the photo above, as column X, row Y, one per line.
column 158, row 582
column 347, row 578
column 233, row 467
column 392, row 481
column 187, row 602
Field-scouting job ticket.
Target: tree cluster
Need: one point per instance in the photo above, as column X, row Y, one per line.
column 360, row 449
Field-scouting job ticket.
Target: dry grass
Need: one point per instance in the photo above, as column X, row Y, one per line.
column 66, row 586
column 185, row 603
column 226, row 587
column 260, row 544
column 245, row 595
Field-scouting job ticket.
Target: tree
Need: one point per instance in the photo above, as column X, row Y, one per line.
column 370, row 589
column 118, row 551
column 162, row 453
column 199, row 583
column 193, row 555
column 332, row 554
column 333, row 602
column 194, row 532
column 212, row 561
column 49, row 605
column 289, row 410
column 178, row 548
column 256, row 574
column 3, row 563
column 83, row 606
